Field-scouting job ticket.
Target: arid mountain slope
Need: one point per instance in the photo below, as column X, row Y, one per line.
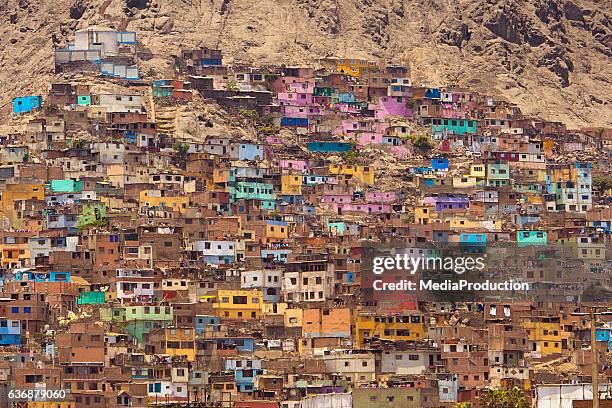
column 551, row 57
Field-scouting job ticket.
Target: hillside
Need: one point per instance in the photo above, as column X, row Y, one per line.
column 551, row 57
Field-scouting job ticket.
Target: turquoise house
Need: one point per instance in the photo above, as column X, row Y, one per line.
column 329, row 147
column 91, row 298
column 246, row 190
column 23, row 104
column 456, row 126
column 84, row 100
column 529, row 238
column 66, row 186
column 336, row 227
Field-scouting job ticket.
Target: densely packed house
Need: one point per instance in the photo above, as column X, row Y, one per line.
column 228, row 268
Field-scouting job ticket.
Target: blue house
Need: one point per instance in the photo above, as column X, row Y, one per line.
column 24, row 104
column 329, row 147
column 205, row 321
column 278, row 255
column 294, row 122
column 604, row 334
column 439, row 163
column 249, row 151
column 10, row 332
column 243, row 344
column 473, row 242
column 244, row 373
column 43, row 276
column 432, row 93
column 346, row 97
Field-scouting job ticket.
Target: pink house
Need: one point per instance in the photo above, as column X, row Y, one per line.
column 346, row 108
column 365, row 208
column 301, row 111
column 294, row 164
column 367, row 138
column 275, row 140
column 282, row 83
column 294, row 98
column 303, row 87
column 336, row 198
column 380, row 196
column 354, row 126
column 391, row 106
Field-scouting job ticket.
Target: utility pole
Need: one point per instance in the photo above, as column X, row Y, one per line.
column 594, row 360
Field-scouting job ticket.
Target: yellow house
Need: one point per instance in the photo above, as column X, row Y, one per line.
column 585, row 248
column 276, row 231
column 19, row 192
column 405, row 327
column 180, row 341
column 364, row 174
column 354, row 67
column 423, row 214
column 291, row 184
column 462, row 222
column 14, row 247
column 478, row 171
column 154, row 198
column 464, row 182
column 272, row 309
column 293, row 317
column 546, row 338
column 239, row 304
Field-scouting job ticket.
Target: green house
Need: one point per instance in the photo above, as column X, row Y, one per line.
column 162, row 91
column 498, row 174
column 66, row 186
column 91, row 298
column 323, row 91
column 143, row 319
column 113, row 314
column 456, row 126
column 92, row 212
column 529, row 238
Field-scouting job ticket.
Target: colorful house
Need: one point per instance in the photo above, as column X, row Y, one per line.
column 396, row 328
column 456, row 126
column 529, row 238
column 25, row 104
column 239, row 304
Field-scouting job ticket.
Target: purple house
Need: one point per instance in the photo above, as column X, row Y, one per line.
column 452, row 203
column 364, row 208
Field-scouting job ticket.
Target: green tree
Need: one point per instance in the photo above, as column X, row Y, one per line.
column 231, row 86
column 463, row 405
column 180, row 150
column 422, row 142
column 514, row 398
column 602, row 183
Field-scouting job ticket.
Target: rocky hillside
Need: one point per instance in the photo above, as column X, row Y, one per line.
column 551, row 57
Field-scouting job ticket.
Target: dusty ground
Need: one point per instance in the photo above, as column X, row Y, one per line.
column 551, row 57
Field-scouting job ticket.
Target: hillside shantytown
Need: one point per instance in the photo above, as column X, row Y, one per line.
column 201, row 239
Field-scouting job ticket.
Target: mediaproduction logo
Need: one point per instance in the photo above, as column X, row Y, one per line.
column 457, row 265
